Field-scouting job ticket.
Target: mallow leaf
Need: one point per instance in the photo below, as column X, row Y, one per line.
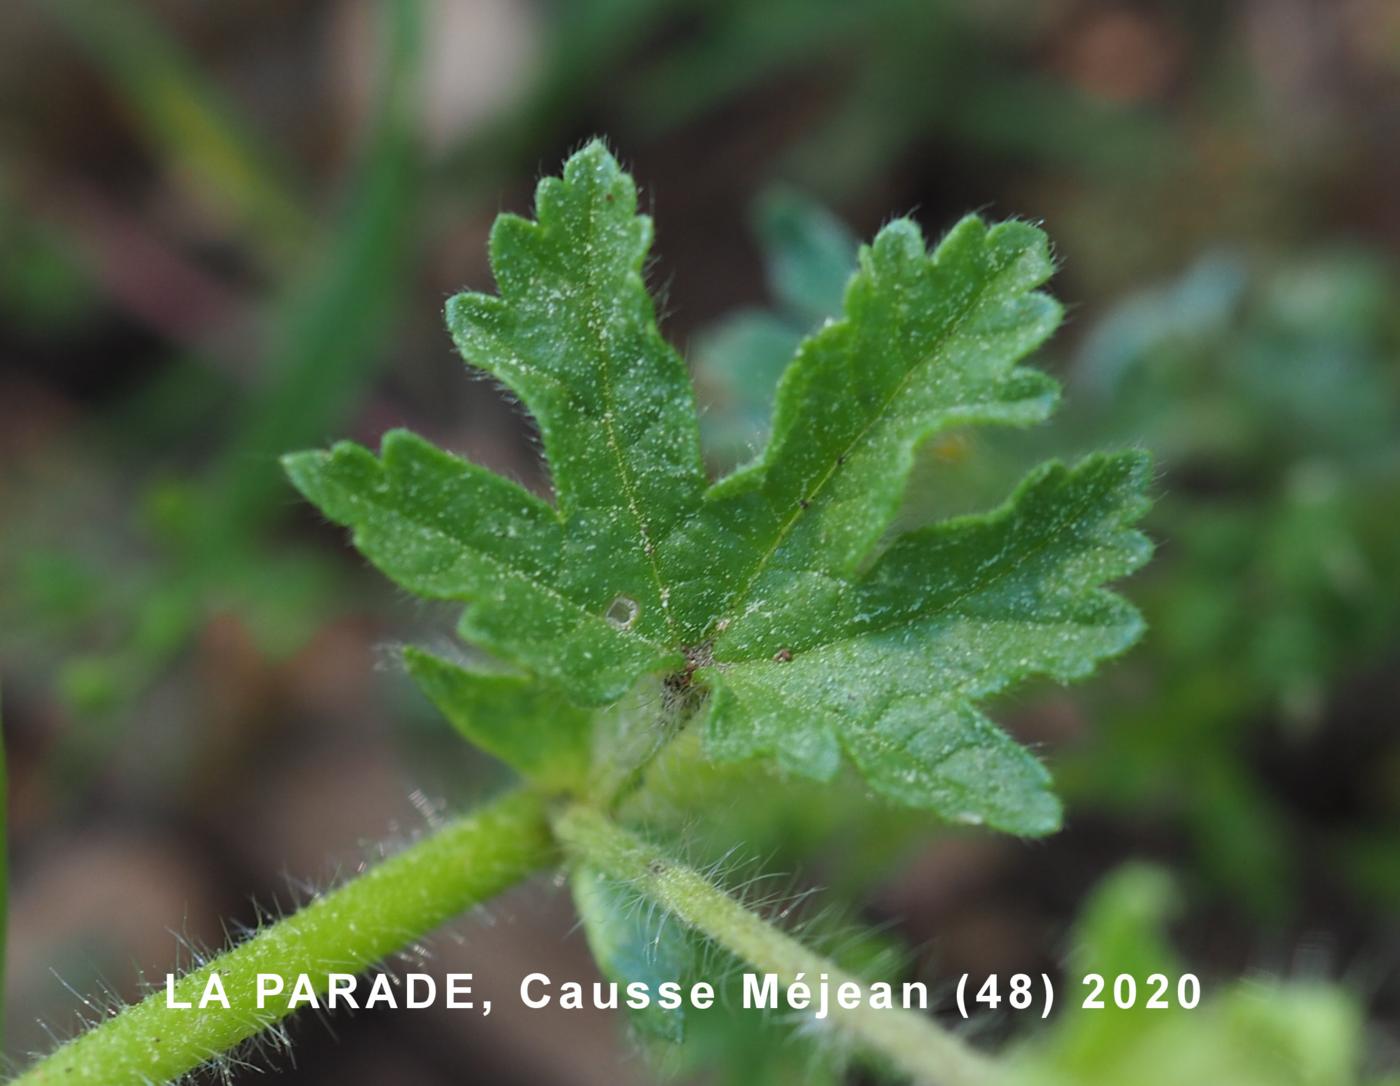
column 776, row 599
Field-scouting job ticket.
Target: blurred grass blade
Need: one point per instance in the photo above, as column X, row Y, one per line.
column 333, row 324
column 189, row 120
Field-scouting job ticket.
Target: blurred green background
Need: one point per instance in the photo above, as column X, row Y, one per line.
column 226, row 231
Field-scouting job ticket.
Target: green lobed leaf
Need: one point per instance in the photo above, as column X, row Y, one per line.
column 927, row 343
column 768, row 591
column 889, row 666
column 447, row 529
column 574, row 335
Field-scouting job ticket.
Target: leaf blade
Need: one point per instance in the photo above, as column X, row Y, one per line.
column 928, row 341
column 772, row 599
column 514, row 718
column 573, row 333
column 447, row 529
column 889, row 667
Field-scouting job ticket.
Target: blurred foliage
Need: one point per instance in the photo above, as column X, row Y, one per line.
column 4, row 861
column 864, row 84
column 194, row 544
column 1258, row 1031
column 187, row 118
column 961, row 57
column 42, row 281
column 1273, row 401
column 809, row 257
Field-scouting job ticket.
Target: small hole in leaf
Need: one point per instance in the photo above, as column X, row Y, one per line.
column 622, row 612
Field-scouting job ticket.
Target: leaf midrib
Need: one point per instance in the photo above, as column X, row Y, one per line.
column 740, row 598
column 976, row 588
column 604, row 358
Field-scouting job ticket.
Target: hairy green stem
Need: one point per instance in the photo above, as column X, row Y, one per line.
column 911, row 1043
column 467, row 861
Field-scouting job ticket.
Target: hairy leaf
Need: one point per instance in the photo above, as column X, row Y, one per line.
column 773, row 598
column 573, row 334
column 889, row 666
column 447, row 529
column 928, row 342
